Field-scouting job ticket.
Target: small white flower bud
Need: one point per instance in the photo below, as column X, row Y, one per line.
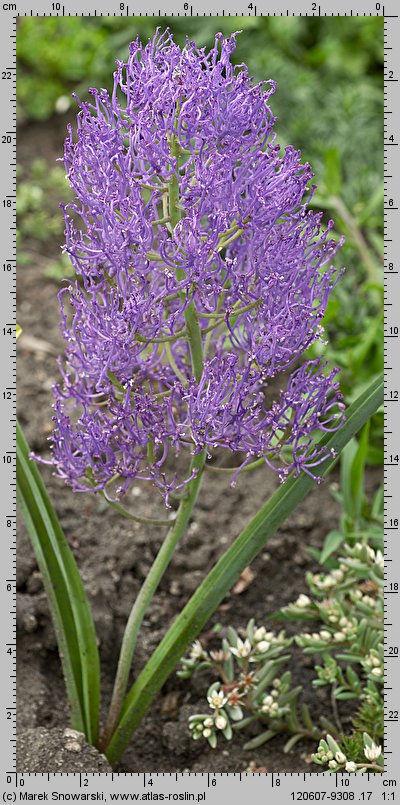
column 262, row 646
column 303, row 601
column 340, row 757
column 220, row 722
column 259, row 633
column 339, row 636
column 207, row 733
column 332, row 764
column 351, row 766
column 267, row 701
column 324, row 634
column 208, row 722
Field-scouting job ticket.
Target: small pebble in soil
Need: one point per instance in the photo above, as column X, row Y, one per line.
column 57, row 750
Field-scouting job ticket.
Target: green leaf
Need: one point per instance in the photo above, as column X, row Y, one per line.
column 260, row 740
column 68, row 603
column 327, row 725
column 367, row 740
column 245, row 722
column 378, row 504
column 352, row 472
column 375, row 203
column 291, row 743
column 333, row 746
column 212, row 740
column 290, row 696
column 357, row 470
column 350, row 657
column 331, row 543
column 235, row 713
column 225, row 573
column 227, row 732
column 269, row 672
column 306, row 716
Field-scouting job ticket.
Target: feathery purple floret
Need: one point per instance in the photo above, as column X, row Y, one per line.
column 183, row 199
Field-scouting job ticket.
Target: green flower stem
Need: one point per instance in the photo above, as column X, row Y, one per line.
column 223, row 576
column 191, row 317
column 247, row 468
column 146, row 594
column 173, row 365
column 143, row 520
column 167, row 549
column 363, row 249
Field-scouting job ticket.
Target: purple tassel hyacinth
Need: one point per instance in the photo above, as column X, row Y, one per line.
column 201, row 275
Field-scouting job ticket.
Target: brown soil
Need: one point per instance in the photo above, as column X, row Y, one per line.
column 114, row 556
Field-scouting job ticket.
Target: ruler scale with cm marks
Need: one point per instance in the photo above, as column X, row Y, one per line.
column 197, row 787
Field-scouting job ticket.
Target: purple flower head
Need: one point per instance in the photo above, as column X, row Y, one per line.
column 201, row 275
